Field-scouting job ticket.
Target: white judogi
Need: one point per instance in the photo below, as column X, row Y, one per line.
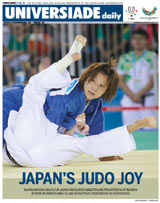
column 32, row 139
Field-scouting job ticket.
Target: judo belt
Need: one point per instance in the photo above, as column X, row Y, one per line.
column 10, row 157
column 144, row 96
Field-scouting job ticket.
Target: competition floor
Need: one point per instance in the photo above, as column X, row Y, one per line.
column 145, row 159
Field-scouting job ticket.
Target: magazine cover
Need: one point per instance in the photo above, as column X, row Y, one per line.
column 80, row 100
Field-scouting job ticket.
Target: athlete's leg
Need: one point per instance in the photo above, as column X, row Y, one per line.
column 30, row 122
column 119, row 140
column 62, row 148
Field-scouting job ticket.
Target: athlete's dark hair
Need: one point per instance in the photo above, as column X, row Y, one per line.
column 107, row 69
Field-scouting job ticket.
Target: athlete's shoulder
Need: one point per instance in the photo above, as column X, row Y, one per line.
column 20, row 85
column 16, row 85
column 66, row 90
column 72, row 86
column 14, row 94
column 14, row 89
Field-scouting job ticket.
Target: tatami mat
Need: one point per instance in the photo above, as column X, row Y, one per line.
column 139, row 160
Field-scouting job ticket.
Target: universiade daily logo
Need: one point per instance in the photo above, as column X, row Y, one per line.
column 67, row 13
column 149, row 13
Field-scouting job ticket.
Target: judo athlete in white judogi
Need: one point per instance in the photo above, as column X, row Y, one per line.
column 32, row 140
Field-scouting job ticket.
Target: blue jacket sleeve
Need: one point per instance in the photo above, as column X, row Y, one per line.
column 63, row 109
column 55, row 108
column 60, row 110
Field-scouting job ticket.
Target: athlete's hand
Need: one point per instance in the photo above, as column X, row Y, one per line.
column 83, row 128
column 81, row 118
column 45, row 63
column 81, row 124
column 137, row 98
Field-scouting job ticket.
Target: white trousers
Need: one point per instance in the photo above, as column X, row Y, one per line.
column 32, row 139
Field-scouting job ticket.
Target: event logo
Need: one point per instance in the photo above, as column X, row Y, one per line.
column 149, row 13
column 131, row 11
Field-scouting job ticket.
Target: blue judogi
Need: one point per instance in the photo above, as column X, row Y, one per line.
column 61, row 107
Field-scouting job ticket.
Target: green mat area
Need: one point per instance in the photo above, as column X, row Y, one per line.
column 146, row 140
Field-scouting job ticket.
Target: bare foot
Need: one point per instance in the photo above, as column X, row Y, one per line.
column 82, row 39
column 76, row 47
column 149, row 121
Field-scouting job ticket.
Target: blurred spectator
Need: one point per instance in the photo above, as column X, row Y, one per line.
column 123, row 35
column 40, row 45
column 104, row 38
column 6, row 37
column 39, row 40
column 151, row 29
column 17, row 57
column 136, row 70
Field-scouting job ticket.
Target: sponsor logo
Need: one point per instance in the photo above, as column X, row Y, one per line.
column 131, row 11
column 149, row 13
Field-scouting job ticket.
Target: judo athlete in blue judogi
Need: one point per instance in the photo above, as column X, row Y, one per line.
column 60, row 107
column 39, row 128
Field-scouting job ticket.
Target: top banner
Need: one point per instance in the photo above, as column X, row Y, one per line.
column 62, row 13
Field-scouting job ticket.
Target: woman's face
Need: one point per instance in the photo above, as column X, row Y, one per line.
column 95, row 88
